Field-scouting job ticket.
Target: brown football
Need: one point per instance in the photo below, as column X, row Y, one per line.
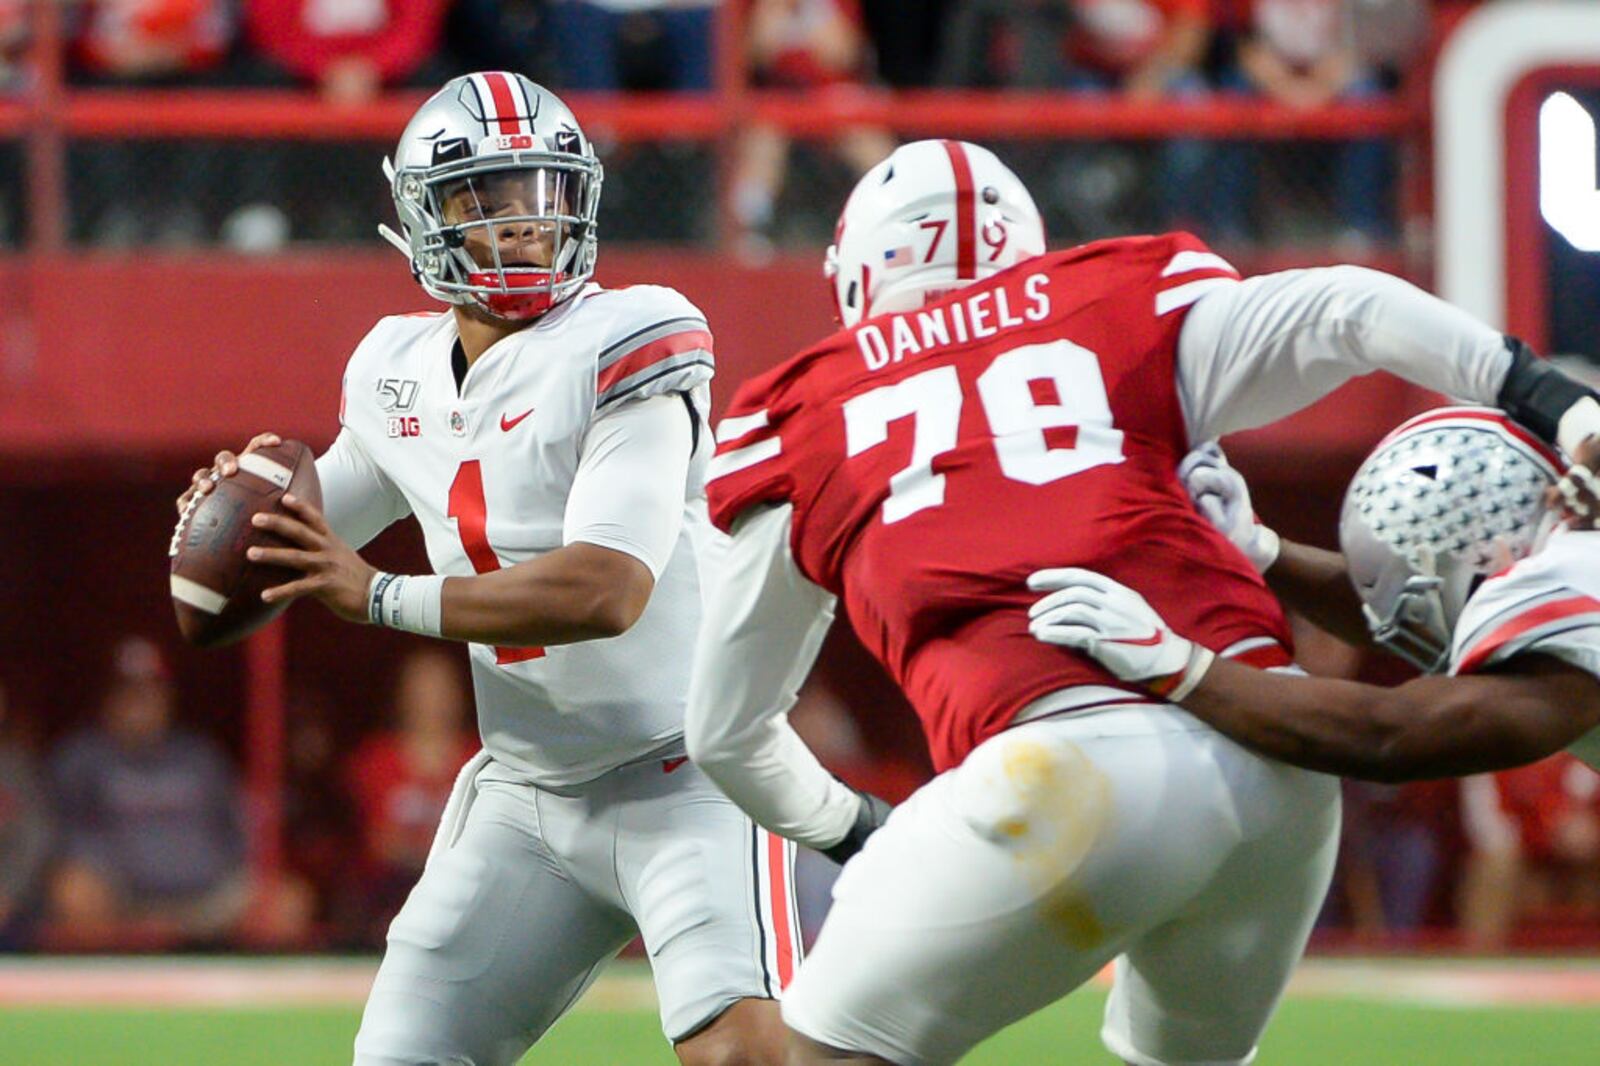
column 216, row 590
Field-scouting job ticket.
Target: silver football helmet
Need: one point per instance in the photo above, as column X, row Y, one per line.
column 1450, row 497
column 497, row 190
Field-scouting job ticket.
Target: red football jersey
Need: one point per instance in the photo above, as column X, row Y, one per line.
column 935, row 458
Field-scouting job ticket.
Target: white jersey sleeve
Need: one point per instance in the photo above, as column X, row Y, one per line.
column 358, row 499
column 1547, row 604
column 628, row 492
column 659, row 343
column 1253, row 352
column 764, row 624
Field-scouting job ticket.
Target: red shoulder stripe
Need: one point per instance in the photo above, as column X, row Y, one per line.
column 657, row 350
column 1509, row 631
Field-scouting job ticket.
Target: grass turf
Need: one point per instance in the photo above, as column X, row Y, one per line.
column 1306, row 1032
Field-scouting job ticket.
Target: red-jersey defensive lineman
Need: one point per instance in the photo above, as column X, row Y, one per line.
column 990, row 410
column 547, row 435
column 1451, row 559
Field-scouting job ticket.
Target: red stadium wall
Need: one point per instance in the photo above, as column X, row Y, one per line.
column 161, row 356
column 180, row 354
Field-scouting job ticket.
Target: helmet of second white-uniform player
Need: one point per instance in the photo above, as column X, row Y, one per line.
column 934, row 216
column 497, row 190
column 1450, row 497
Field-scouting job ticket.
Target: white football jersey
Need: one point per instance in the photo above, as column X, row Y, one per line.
column 487, row 472
column 1548, row 603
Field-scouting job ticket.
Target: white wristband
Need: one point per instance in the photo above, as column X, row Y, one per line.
column 411, row 602
column 1200, row 660
column 1264, row 550
column 1580, row 422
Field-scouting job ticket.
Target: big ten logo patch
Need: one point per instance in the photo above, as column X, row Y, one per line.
column 405, row 426
column 397, row 394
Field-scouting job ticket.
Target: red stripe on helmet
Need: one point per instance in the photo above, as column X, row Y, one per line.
column 505, row 104
column 966, row 211
column 1478, row 414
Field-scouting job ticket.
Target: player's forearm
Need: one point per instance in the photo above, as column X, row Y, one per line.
column 1427, row 728
column 764, row 624
column 579, row 592
column 1315, row 583
column 770, row 773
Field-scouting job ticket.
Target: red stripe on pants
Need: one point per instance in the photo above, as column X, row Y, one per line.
column 778, row 880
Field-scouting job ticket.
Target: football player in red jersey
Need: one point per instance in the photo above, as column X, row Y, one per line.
column 1451, row 559
column 990, row 410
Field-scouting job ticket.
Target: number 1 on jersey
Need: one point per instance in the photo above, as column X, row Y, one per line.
column 471, row 512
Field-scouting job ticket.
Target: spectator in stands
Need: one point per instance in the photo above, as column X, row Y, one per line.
column 634, row 44
column 905, row 38
column 401, row 779
column 151, row 41
column 350, row 49
column 812, row 45
column 1144, row 49
column 319, row 820
column 1535, row 838
column 15, row 35
column 503, row 35
column 154, row 847
column 1011, row 43
column 138, row 193
column 24, row 835
column 1299, row 53
column 1392, row 855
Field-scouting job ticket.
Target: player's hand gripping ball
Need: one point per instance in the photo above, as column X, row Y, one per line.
column 216, row 589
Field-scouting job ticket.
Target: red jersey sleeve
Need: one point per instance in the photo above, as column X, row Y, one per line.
column 1190, row 271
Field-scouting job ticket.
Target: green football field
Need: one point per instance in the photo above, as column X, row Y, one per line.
column 1367, row 1013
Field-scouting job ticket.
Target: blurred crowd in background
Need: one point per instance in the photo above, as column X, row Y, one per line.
column 1303, row 54
column 128, row 831
column 123, row 822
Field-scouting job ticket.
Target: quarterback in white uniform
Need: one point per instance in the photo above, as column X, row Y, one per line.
column 1465, row 551
column 548, row 436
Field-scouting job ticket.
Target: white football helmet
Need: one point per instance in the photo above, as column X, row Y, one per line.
column 1450, row 497
column 934, row 216
column 497, row 153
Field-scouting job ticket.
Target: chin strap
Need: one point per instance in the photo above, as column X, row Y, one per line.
column 1540, row 396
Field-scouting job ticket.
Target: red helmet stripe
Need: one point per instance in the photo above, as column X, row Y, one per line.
column 1479, row 414
column 505, row 104
column 966, row 211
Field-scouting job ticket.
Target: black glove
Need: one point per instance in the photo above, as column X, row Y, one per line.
column 873, row 812
column 1537, row 394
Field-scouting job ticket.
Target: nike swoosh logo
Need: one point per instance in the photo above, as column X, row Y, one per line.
column 508, row 424
column 1144, row 642
column 669, row 765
